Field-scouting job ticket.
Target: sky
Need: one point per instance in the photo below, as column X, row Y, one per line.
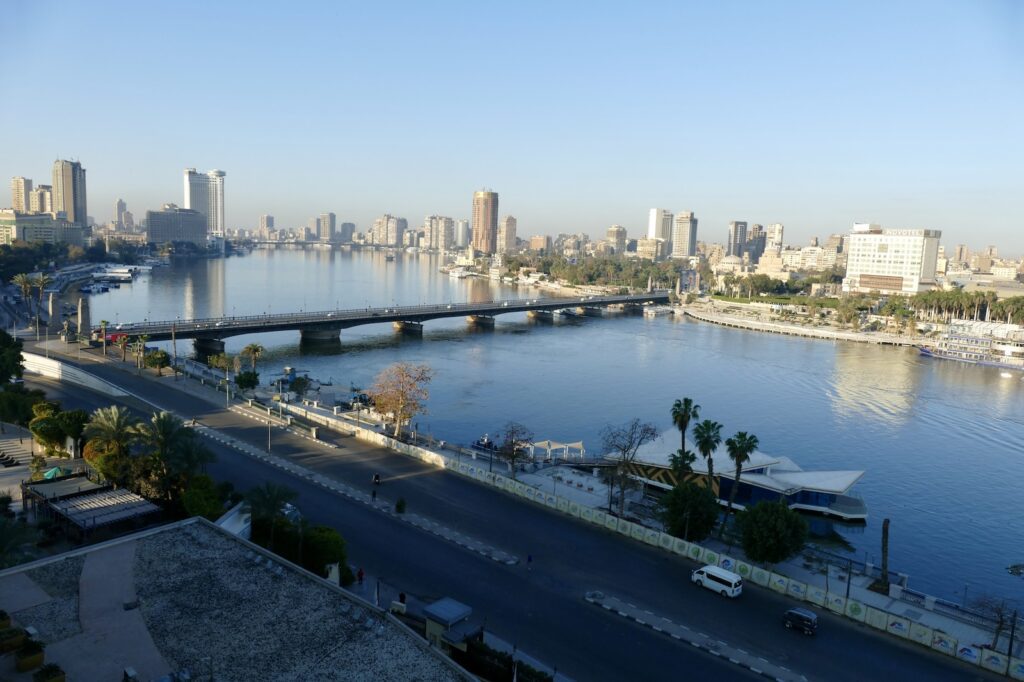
column 580, row 114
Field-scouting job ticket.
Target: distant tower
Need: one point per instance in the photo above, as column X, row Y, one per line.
column 617, row 238
column 485, row 221
column 327, row 227
column 119, row 209
column 659, row 224
column 21, row 188
column 773, row 238
column 40, row 199
column 69, row 191
column 204, row 192
column 266, row 225
column 737, row 238
column 684, row 235
column 507, row 235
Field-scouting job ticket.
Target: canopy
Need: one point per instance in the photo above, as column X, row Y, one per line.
column 53, row 473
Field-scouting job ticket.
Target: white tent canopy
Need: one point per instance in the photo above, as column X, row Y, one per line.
column 552, row 448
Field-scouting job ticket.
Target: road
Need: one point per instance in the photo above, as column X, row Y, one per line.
column 541, row 609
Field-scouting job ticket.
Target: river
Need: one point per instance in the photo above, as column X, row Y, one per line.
column 942, row 443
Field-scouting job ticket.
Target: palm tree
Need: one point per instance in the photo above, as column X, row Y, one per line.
column 254, row 351
column 177, row 455
column 265, row 503
column 122, row 343
column 111, row 431
column 25, row 283
column 140, row 340
column 42, row 281
column 708, row 436
column 739, row 446
column 103, row 335
column 683, row 412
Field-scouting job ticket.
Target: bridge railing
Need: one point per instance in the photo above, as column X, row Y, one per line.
column 214, row 323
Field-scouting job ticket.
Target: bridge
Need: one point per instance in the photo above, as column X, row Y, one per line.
column 326, row 326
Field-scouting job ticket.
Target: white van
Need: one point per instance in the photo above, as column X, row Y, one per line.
column 726, row 583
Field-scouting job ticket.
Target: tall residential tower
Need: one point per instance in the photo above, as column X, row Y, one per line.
column 69, row 192
column 684, row 235
column 485, row 221
column 204, row 192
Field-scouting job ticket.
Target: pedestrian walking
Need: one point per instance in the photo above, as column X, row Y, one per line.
column 360, row 575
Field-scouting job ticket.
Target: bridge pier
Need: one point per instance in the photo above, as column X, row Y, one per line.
column 540, row 315
column 588, row 311
column 206, row 347
column 406, row 327
column 314, row 336
column 480, row 320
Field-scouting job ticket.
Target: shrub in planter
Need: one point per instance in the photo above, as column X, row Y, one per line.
column 30, row 655
column 51, row 672
column 11, row 639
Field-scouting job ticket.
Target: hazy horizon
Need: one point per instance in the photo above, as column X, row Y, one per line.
column 580, row 115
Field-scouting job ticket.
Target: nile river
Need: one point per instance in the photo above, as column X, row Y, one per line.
column 942, row 443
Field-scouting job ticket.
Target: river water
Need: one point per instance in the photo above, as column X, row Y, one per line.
column 942, row 443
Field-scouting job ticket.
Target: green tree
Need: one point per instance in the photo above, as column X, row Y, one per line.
column 708, row 436
column 12, row 364
column 123, row 343
column 201, row 498
column 265, row 503
column 111, row 432
column 689, row 511
column 253, row 351
column 174, row 454
column 24, row 282
column 299, row 386
column 157, row 360
column 683, row 412
column 247, row 380
column 322, row 545
column 740, row 447
column 16, row 403
column 772, row 532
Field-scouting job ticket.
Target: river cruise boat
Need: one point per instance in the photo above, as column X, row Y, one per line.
column 980, row 343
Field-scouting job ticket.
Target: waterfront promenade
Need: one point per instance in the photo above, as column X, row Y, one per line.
column 718, row 314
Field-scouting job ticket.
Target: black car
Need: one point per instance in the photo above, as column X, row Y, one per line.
column 801, row 619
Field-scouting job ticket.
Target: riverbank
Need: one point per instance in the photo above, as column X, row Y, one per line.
column 709, row 314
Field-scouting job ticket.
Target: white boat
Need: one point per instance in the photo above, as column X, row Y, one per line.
column 458, row 273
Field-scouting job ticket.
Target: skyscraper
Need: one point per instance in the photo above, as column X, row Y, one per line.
column 119, row 210
column 773, row 238
column 737, row 238
column 684, row 235
column 266, row 225
column 659, row 224
column 69, row 191
column 346, row 232
column 507, row 235
column 327, row 227
column 756, row 241
column 463, row 233
column 485, row 221
column 617, row 238
column 21, row 188
column 438, row 233
column 40, row 199
column 204, row 192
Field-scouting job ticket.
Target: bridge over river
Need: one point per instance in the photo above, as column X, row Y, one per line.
column 326, row 326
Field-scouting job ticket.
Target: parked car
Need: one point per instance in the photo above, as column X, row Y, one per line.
column 804, row 620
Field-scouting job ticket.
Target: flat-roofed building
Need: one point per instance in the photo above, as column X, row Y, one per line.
column 891, row 261
column 38, row 227
column 172, row 224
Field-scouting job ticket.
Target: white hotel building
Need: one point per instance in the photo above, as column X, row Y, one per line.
column 891, row 261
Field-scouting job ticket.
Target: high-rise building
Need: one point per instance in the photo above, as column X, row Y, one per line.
column 962, row 254
column 463, row 233
column 659, row 224
column 650, row 249
column 173, row 224
column 541, row 243
column 438, row 233
column 204, row 192
column 388, row 230
column 485, row 221
column 891, row 261
column 737, row 238
column 69, row 192
column 327, row 227
column 40, row 199
column 345, row 232
column 836, row 241
column 21, row 188
column 266, row 226
column 684, row 235
column 773, row 238
column 129, row 221
column 617, row 238
column 507, row 235
column 119, row 209
column 755, row 245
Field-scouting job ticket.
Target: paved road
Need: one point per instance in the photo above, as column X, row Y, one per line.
column 543, row 609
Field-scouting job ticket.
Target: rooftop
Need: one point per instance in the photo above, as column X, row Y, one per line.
column 190, row 596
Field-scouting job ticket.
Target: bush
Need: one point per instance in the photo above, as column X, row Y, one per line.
column 689, row 511
column 247, row 380
column 772, row 532
column 202, row 498
column 50, row 671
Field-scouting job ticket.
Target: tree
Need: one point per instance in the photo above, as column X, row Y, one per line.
column 401, row 391
column 247, row 380
column 122, row 343
column 708, row 436
column 265, row 503
column 689, row 511
column 14, row 535
column 157, row 360
column 772, row 532
column 998, row 610
column 514, row 441
column 111, row 433
column 44, row 426
column 322, row 546
column 16, row 403
column 253, row 351
column 622, row 443
column 103, row 335
column 739, row 446
column 683, row 412
column 24, row 282
column 201, row 498
column 174, row 454
column 12, row 364
column 299, row 386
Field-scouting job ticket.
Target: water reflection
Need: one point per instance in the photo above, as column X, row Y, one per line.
column 866, row 383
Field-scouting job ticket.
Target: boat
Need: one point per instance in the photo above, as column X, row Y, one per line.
column 485, row 444
column 389, row 257
column 764, row 478
column 458, row 273
column 980, row 343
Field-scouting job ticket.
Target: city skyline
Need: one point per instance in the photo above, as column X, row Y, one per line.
column 824, row 137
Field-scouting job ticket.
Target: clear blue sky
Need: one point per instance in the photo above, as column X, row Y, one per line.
column 813, row 114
